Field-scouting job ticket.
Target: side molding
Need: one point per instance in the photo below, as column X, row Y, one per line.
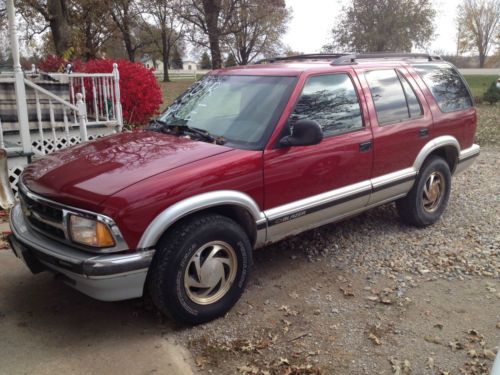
column 196, row 203
column 434, row 144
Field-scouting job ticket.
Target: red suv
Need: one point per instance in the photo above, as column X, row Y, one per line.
column 246, row 157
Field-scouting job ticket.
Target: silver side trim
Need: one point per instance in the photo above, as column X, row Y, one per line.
column 467, row 158
column 196, row 203
column 433, row 144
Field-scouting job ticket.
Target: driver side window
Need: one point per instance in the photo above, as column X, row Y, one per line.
column 331, row 100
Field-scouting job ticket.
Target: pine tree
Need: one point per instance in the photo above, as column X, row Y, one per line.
column 492, row 95
column 205, row 62
column 176, row 61
column 230, row 61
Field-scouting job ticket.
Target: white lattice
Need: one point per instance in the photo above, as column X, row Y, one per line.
column 14, row 174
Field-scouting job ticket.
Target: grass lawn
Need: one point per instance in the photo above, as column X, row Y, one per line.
column 488, row 132
column 479, row 84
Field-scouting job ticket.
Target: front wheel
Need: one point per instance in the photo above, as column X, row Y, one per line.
column 200, row 269
column 427, row 200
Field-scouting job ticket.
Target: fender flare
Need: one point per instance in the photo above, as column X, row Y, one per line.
column 432, row 145
column 197, row 203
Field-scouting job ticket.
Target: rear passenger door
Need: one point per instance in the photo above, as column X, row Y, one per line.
column 401, row 124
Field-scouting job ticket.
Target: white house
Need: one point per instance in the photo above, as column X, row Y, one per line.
column 189, row 65
column 149, row 63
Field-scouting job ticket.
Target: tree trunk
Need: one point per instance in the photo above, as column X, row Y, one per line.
column 212, row 11
column 128, row 45
column 482, row 59
column 59, row 25
column 165, row 54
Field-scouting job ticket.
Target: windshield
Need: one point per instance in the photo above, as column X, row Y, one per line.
column 243, row 110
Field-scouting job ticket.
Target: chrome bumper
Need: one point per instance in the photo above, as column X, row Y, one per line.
column 107, row 277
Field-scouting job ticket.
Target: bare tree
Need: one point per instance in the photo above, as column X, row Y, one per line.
column 126, row 15
column 159, row 18
column 480, row 20
column 259, row 26
column 211, row 20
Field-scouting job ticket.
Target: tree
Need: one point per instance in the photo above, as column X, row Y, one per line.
column 259, row 26
column 165, row 23
column 480, row 20
column 492, row 95
column 230, row 60
column 55, row 14
column 176, row 61
column 211, row 20
column 384, row 25
column 125, row 14
column 205, row 62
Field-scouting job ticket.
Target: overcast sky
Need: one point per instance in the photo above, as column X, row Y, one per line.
column 312, row 21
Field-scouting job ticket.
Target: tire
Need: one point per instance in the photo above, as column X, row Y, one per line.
column 416, row 208
column 200, row 269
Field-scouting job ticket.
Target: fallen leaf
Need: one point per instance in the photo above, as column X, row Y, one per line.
column 375, row 339
column 472, row 353
column 489, row 354
column 438, row 325
column 372, row 298
column 498, row 325
column 433, row 339
column 387, row 300
column 348, row 292
column 248, row 370
column 430, row 363
column 406, row 367
column 455, row 345
column 283, row 361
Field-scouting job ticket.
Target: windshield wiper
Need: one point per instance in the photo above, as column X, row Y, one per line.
column 203, row 134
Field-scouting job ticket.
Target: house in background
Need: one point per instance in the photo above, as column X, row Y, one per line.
column 190, row 65
column 149, row 63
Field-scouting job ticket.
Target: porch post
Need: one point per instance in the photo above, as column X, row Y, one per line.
column 20, row 89
column 118, row 104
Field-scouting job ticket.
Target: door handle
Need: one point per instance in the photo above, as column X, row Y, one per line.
column 424, row 132
column 365, row 146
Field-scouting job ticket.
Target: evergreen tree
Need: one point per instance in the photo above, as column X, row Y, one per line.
column 205, row 62
column 492, row 95
column 176, row 61
column 230, row 61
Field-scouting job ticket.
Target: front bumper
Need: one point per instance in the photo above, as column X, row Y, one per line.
column 108, row 277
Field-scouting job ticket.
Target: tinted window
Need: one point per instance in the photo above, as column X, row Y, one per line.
column 330, row 100
column 414, row 107
column 445, row 83
column 388, row 96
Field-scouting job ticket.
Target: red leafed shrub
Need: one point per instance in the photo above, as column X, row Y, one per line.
column 140, row 93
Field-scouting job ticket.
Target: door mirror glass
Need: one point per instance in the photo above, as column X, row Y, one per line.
column 304, row 133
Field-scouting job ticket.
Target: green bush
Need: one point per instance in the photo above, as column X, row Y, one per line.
column 492, row 95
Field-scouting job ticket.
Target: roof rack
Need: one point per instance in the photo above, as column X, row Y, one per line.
column 312, row 56
column 351, row 58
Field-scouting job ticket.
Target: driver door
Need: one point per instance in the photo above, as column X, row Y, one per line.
column 307, row 186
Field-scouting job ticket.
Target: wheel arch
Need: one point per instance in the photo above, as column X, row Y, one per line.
column 234, row 204
column 446, row 147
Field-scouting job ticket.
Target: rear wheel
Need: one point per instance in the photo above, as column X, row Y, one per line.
column 200, row 269
column 427, row 200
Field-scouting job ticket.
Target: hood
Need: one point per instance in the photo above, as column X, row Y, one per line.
column 85, row 175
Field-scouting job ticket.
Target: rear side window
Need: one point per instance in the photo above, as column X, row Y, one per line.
column 389, row 97
column 331, row 100
column 446, row 86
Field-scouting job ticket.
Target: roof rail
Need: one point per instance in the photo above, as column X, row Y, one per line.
column 351, row 58
column 312, row 56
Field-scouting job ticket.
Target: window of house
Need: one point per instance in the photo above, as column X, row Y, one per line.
column 331, row 100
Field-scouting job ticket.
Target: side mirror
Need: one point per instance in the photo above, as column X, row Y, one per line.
column 305, row 133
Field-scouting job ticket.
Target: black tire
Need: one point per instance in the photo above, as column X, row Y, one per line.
column 414, row 209
column 176, row 252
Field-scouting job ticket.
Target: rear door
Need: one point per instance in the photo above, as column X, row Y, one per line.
column 401, row 123
column 307, row 186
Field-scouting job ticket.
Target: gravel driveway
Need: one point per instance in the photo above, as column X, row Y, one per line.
column 365, row 296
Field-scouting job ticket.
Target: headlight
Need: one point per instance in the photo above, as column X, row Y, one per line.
column 90, row 232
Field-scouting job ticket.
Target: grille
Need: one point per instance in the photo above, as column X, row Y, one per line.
column 44, row 217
